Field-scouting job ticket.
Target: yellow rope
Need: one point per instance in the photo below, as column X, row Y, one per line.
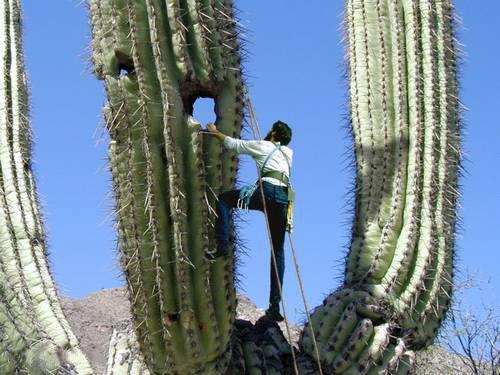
column 257, row 134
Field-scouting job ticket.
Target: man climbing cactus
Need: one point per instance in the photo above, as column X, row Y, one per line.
column 404, row 112
column 274, row 160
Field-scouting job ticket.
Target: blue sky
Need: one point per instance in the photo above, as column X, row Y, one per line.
column 295, row 70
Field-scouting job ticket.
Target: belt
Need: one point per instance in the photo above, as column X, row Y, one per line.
column 278, row 176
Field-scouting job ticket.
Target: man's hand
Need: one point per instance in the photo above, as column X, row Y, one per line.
column 212, row 129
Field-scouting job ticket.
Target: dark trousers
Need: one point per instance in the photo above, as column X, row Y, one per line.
column 276, row 204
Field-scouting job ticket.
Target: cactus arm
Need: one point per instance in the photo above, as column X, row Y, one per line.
column 404, row 111
column 154, row 60
column 36, row 335
column 19, row 203
column 417, row 250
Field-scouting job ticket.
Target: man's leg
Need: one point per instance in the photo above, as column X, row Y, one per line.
column 277, row 222
column 226, row 201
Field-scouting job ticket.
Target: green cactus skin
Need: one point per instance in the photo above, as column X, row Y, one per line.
column 35, row 336
column 405, row 115
column 163, row 172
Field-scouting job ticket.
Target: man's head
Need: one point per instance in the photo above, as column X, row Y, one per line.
column 280, row 132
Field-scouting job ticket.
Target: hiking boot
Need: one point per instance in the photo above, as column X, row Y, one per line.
column 273, row 313
column 221, row 251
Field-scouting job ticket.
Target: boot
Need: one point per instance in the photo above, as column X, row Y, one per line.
column 221, row 251
column 273, row 313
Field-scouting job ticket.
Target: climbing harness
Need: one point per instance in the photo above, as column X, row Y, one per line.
column 256, row 133
column 291, row 193
column 247, row 191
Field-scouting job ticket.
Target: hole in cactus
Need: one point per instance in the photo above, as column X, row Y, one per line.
column 125, row 63
column 170, row 318
column 204, row 110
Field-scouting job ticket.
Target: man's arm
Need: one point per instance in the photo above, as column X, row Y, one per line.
column 252, row 148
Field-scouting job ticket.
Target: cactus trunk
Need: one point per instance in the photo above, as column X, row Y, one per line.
column 404, row 115
column 156, row 59
column 35, row 334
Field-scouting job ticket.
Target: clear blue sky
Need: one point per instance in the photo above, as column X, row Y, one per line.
column 295, row 72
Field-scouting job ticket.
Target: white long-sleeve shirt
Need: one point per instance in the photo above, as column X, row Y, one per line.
column 280, row 161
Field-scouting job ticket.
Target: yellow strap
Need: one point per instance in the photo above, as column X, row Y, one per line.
column 289, row 217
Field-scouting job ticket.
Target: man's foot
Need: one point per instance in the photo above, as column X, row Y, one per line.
column 273, row 313
column 221, row 251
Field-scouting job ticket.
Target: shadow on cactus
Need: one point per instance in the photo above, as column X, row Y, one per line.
column 156, row 58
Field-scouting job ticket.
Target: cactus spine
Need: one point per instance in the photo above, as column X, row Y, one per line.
column 157, row 57
column 35, row 334
column 404, row 113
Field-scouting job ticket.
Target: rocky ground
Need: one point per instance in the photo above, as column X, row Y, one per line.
column 92, row 319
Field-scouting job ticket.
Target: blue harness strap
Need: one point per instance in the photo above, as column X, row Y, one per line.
column 247, row 191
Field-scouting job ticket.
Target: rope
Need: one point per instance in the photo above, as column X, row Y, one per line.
column 257, row 134
column 276, row 273
column 304, row 301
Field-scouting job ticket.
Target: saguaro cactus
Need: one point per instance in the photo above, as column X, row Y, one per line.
column 156, row 58
column 404, row 112
column 35, row 337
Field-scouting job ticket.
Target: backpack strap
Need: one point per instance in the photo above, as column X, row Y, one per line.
column 246, row 192
column 278, row 146
column 287, row 159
